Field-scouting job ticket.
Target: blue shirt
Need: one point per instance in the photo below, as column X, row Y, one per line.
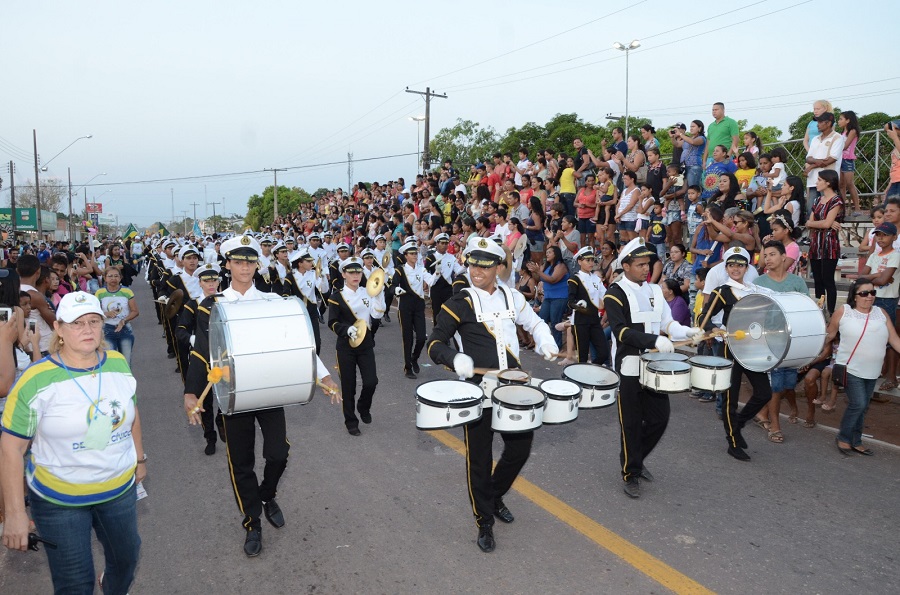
column 557, row 290
column 812, row 129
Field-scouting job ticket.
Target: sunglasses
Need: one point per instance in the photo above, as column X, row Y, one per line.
column 866, row 293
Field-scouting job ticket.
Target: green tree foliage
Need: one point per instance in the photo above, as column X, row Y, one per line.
column 465, row 142
column 261, row 208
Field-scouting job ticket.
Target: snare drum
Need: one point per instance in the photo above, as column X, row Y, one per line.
column 442, row 404
column 647, row 358
column 513, row 376
column 517, row 408
column 710, row 373
column 562, row 400
column 667, row 377
column 268, row 349
column 599, row 385
column 497, row 378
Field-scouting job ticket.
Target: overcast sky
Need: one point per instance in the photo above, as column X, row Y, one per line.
column 175, row 89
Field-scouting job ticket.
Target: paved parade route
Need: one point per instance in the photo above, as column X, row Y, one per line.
column 387, row 512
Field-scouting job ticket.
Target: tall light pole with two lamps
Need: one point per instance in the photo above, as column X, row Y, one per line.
column 37, row 184
column 627, row 49
column 418, row 120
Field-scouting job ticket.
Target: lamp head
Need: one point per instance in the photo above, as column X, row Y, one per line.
column 618, row 46
column 634, row 44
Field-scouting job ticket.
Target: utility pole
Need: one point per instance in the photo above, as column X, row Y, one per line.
column 70, row 229
column 214, row 213
column 184, row 221
column 172, row 194
column 12, row 198
column 195, row 205
column 37, row 190
column 275, row 170
column 349, row 174
column 428, row 93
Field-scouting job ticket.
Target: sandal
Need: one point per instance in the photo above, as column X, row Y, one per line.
column 565, row 362
column 828, row 408
column 817, row 401
column 793, row 417
column 809, row 424
column 762, row 423
column 776, row 437
column 887, row 385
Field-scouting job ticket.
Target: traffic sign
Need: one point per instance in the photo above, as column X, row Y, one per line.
column 94, row 207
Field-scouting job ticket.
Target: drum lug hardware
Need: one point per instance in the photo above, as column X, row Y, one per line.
column 448, row 413
column 571, row 405
column 498, row 411
column 418, row 407
column 532, row 415
column 592, row 395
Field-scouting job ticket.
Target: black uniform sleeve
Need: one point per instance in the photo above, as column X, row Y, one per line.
column 198, row 365
column 186, row 321
column 618, row 315
column 337, row 326
column 573, row 286
column 717, row 301
column 448, row 321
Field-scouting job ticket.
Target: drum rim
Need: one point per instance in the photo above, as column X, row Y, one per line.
column 557, row 397
column 587, row 384
column 710, row 367
column 669, row 357
column 474, row 401
column 518, row 407
column 507, row 381
column 686, row 370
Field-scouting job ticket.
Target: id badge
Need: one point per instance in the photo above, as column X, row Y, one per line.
column 99, row 432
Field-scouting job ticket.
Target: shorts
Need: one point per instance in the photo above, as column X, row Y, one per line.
column 586, row 226
column 640, row 224
column 783, row 379
column 848, row 165
column 627, row 225
column 820, row 366
column 893, row 190
column 672, row 217
column 890, row 307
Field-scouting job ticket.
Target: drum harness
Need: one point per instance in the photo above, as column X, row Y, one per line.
column 493, row 320
column 631, row 363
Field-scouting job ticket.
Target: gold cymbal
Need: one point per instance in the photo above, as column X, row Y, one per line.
column 361, row 330
column 375, row 284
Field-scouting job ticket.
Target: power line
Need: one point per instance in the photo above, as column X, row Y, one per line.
column 532, row 44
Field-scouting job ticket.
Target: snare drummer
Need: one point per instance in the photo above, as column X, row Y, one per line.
column 485, row 316
column 722, row 299
column 637, row 314
column 350, row 304
column 586, row 291
column 242, row 254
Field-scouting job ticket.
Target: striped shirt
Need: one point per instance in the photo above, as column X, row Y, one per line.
column 53, row 407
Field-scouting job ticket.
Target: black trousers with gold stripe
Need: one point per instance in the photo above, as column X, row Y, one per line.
column 762, row 393
column 643, row 417
column 240, row 440
column 591, row 334
column 348, row 360
column 412, row 321
column 485, row 488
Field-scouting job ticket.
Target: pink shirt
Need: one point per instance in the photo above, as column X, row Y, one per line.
column 849, row 151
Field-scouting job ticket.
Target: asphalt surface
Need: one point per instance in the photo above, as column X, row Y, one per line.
column 387, row 512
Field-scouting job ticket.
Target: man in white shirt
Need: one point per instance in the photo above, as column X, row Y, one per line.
column 825, row 152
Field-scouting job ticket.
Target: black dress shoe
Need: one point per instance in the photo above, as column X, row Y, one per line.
column 415, row 367
column 253, row 543
column 738, row 453
column 354, row 431
column 366, row 418
column 210, row 447
column 273, row 514
column 502, row 512
column 386, row 317
column 633, row 488
column 646, row 475
column 171, row 356
column 410, row 374
column 486, row 538
column 739, row 439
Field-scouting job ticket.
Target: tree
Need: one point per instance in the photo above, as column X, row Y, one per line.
column 53, row 191
column 466, row 143
column 767, row 134
column 261, row 208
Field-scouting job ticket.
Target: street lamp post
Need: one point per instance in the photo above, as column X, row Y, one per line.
column 37, row 183
column 418, row 120
column 627, row 49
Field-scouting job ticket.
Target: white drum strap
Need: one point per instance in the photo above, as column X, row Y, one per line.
column 647, row 318
column 494, row 320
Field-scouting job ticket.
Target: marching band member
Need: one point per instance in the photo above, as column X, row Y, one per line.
column 347, row 306
column 485, row 316
column 444, row 267
column 380, row 250
column 308, row 286
column 265, row 258
column 330, row 248
column 334, row 272
column 637, row 314
column 291, row 245
column 722, row 299
column 183, row 280
column 207, row 276
column 281, row 261
column 586, row 291
column 409, row 284
column 242, row 258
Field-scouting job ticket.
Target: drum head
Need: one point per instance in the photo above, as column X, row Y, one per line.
column 560, row 389
column 449, row 393
column 710, row 361
column 219, row 351
column 517, row 397
column 513, row 377
column 591, row 375
column 669, row 367
column 769, row 324
column 664, row 357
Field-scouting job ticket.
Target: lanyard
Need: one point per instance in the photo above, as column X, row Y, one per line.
column 81, row 388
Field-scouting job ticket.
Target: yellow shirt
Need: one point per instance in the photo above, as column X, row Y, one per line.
column 698, row 307
column 744, row 176
column 567, row 181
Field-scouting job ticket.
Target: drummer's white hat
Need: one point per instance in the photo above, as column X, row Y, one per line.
column 483, row 252
column 367, row 252
column 441, row 237
column 352, row 264
column 737, row 255
column 241, row 248
column 302, row 254
column 279, row 245
column 408, row 247
column 586, row 251
column 207, row 270
column 636, row 248
column 188, row 249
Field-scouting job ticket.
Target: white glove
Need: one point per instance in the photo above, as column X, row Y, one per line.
column 192, row 339
column 663, row 345
column 581, row 304
column 463, row 365
column 693, row 332
column 399, row 291
column 352, row 332
column 549, row 352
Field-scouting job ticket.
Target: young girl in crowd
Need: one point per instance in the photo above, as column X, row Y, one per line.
column 850, row 126
column 778, row 174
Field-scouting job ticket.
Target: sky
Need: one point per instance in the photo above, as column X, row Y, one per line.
column 188, row 89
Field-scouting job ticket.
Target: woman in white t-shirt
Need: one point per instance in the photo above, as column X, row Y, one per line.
column 626, row 210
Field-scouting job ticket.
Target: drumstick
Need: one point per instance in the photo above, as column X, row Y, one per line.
column 328, row 390
column 215, row 375
column 483, row 371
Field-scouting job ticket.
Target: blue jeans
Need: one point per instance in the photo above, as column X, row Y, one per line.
column 72, row 563
column 552, row 312
column 568, row 199
column 123, row 341
column 859, row 393
column 693, row 175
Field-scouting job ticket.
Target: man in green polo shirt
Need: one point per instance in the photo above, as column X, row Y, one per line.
column 723, row 131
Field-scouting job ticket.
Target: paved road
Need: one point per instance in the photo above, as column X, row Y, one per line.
column 388, row 513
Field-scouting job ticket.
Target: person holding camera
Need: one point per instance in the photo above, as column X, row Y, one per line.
column 893, row 131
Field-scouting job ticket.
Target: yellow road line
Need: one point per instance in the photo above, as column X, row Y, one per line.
column 651, row 566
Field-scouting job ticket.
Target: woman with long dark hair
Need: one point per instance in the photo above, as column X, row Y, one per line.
column 693, row 146
column 849, row 123
column 790, row 198
column 825, row 243
column 727, row 191
column 554, row 277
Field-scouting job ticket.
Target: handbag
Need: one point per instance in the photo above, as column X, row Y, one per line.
column 839, row 371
